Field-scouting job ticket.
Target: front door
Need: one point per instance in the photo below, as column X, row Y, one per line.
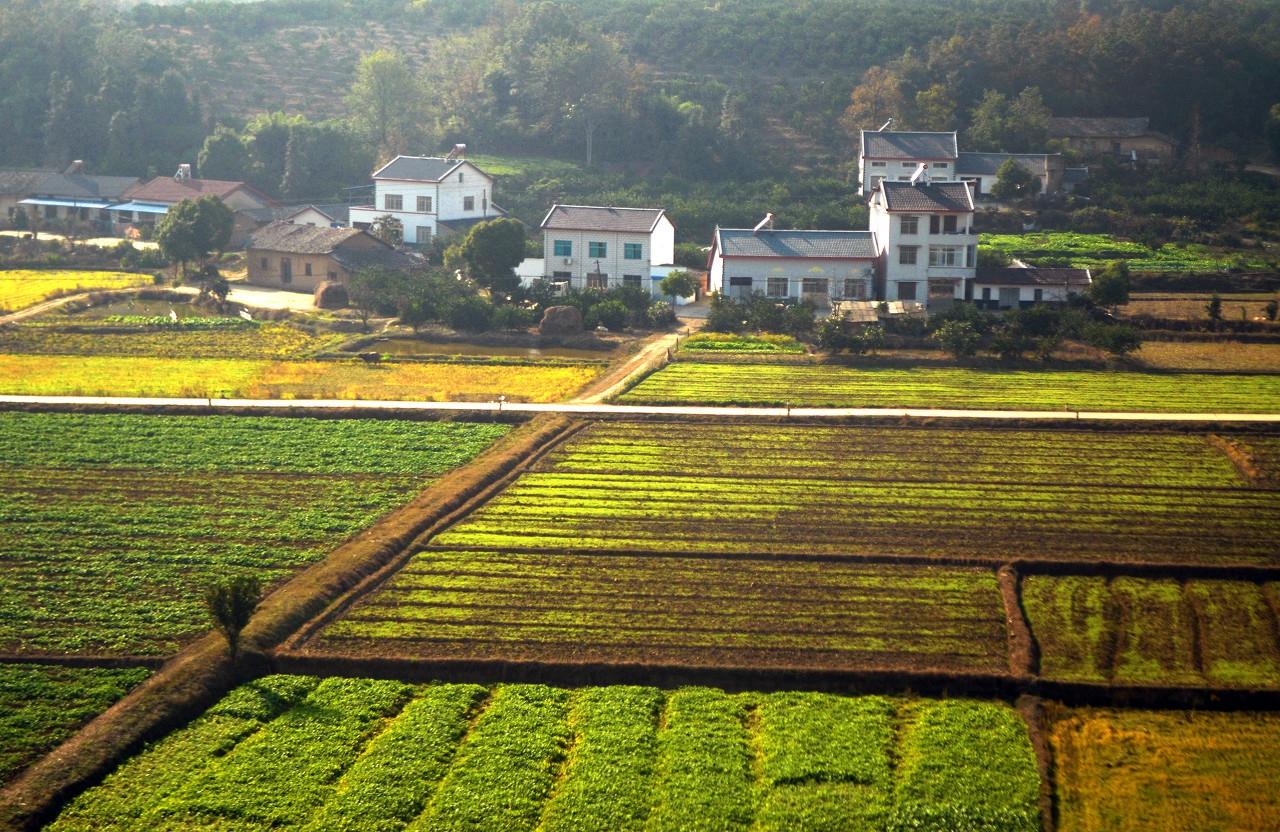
column 739, row 288
column 1008, row 298
column 286, row 270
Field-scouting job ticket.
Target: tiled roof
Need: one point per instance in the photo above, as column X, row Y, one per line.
column 417, row 168
column 988, row 164
column 300, row 239
column 82, row 186
column 339, row 212
column 596, row 218
column 889, row 144
column 355, row 259
column 1099, row 127
column 1032, row 276
column 168, row 190
column 21, row 181
column 935, row 196
column 743, row 242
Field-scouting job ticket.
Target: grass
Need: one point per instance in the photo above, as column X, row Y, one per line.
column 525, row 757
column 1134, row 771
column 22, row 288
column 1096, row 250
column 96, row 375
column 1191, row 305
column 112, row 524
column 696, row 382
column 42, row 705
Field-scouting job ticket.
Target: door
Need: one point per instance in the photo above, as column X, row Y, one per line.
column 286, row 270
column 739, row 288
column 1008, row 298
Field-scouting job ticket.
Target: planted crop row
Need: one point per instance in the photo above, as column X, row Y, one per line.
column 1162, row 632
column 294, row 754
column 699, row 382
column 708, row 612
column 237, row 339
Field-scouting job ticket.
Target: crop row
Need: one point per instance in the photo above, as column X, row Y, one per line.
column 22, row 288
column 380, row 755
column 709, row 612
column 707, row 382
column 272, row 340
column 1143, row 631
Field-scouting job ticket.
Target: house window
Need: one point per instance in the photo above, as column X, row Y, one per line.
column 423, row 236
column 904, row 178
column 940, row 165
column 393, row 202
column 632, row 280
column 907, row 255
column 906, row 291
column 877, row 164
column 949, row 224
column 468, row 203
column 776, row 287
column 424, row 205
column 306, row 269
column 562, row 275
column 909, row 225
column 597, row 250
column 264, row 262
column 934, row 226
column 1039, row 294
column 945, row 255
column 986, row 293
column 813, row 286
column 971, row 254
column 459, row 176
column 855, row 288
column 632, row 251
column 562, row 248
column 333, row 275
column 50, row 212
column 597, row 280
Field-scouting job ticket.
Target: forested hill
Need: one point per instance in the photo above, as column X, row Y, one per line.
column 711, row 88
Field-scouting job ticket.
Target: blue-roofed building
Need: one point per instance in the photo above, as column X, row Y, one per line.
column 793, row 264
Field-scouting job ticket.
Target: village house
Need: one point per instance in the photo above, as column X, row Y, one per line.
column 924, row 237
column 594, row 247
column 74, row 196
column 817, row 266
column 148, row 202
column 1129, row 139
column 981, row 170
column 431, row 196
column 325, row 215
column 893, row 156
column 300, row 257
column 17, row 184
column 1022, row 286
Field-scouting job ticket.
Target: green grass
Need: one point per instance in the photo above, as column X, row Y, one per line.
column 698, row 382
column 42, row 705
column 285, row 752
column 726, row 342
column 111, row 524
column 1096, row 250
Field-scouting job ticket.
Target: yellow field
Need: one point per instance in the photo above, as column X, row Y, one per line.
column 1133, row 771
column 74, row 375
column 1231, row 356
column 22, row 288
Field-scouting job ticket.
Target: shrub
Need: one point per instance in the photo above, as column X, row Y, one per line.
column 610, row 314
column 1117, row 339
column 724, row 315
column 797, row 319
column 230, row 604
column 958, row 338
column 661, row 314
column 512, row 317
column 470, row 314
column 832, row 336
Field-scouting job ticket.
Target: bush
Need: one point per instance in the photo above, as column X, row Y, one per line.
column 610, row 314
column 512, row 317
column 691, row 256
column 724, row 315
column 797, row 319
column 661, row 314
column 958, row 338
column 1117, row 339
column 832, row 336
column 470, row 314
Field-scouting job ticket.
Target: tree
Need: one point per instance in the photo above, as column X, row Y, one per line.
column 230, row 603
column 1000, row 125
column 1013, row 182
column 1272, row 309
column 1117, row 339
column 958, row 338
column 375, row 290
column 678, row 284
column 1214, row 307
column 878, row 98
column 223, row 156
column 936, row 108
column 388, row 229
column 385, row 101
column 194, row 229
column 490, row 253
column 1110, row 287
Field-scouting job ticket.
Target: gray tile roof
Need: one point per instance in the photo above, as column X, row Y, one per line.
column 21, row 181
column 355, row 259
column 1099, row 127
column 890, row 144
column 83, row 186
column 1032, row 276
column 597, row 218
column 742, row 242
column 987, row 164
column 417, row 168
column 935, row 196
column 300, row 239
column 338, row 212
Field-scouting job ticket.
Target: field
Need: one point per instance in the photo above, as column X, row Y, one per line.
column 1219, row 356
column 20, row 289
column 727, row 342
column 1191, row 305
column 1150, row 771
column 112, row 524
column 1138, row 631
column 97, row 375
column 697, row 382
column 236, row 339
column 42, row 705
column 1096, row 250
column 382, row 755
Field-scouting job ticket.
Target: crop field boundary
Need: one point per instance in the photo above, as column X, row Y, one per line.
column 83, row 660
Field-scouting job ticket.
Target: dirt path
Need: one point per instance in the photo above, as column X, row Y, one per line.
column 652, row 353
column 41, row 308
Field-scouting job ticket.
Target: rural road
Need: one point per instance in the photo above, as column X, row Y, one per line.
column 597, row 409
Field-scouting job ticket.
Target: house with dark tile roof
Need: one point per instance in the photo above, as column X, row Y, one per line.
column 981, row 170
column 925, row 238
column 603, row 247
column 793, row 264
column 1021, row 286
column 894, row 155
column 145, row 204
column 17, row 184
column 1131, row 138
column 300, row 257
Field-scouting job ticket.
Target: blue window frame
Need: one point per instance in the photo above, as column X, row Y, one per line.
column 597, row 250
column 563, row 248
column 632, row 251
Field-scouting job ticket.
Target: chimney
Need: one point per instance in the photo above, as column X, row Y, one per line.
column 921, row 176
column 459, row 152
column 75, row 167
column 184, row 173
column 767, row 221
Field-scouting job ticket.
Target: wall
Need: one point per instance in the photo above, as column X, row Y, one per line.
column 447, row 199
column 889, row 238
column 323, row 268
column 895, row 169
column 612, row 264
column 1026, row 294
column 794, row 269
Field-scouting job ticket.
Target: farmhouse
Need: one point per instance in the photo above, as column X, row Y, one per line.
column 1022, row 286
column 595, row 247
column 893, row 156
column 1131, row 139
column 818, row 266
column 330, row 215
column 924, row 238
column 430, row 196
column 153, row 199
column 981, row 169
column 301, row 257
column 76, row 197
column 16, row 184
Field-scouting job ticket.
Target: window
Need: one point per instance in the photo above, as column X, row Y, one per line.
column 904, row 178
column 597, row 250
column 907, row 255
column 468, row 203
column 333, row 275
column 632, row 251
column 393, row 202
column 971, row 254
column 776, row 287
column 909, row 225
column 306, row 269
column 632, row 280
column 424, row 235
column 562, row 275
column 484, row 201
column 986, row 293
column 459, row 176
column 949, row 224
column 906, row 291
column 946, row 256
column 855, row 288
column 940, row 165
column 50, row 212
column 877, row 164
column 1039, row 294
column 424, row 205
column 934, row 226
column 562, row 248
column 813, row 286
column 264, row 262
column 597, row 280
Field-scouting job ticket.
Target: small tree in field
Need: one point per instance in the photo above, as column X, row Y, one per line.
column 193, row 230
column 1110, row 288
column 231, row 603
column 958, row 338
column 678, row 284
column 1214, row 307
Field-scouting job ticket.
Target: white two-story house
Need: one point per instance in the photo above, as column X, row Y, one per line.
column 924, row 235
column 430, row 195
column 593, row 247
column 893, row 156
column 793, row 264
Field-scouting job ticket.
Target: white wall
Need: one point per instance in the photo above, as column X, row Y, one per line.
column 447, row 202
column 794, row 270
column 890, row 240
column 664, row 243
column 895, row 169
column 613, row 264
column 1026, row 294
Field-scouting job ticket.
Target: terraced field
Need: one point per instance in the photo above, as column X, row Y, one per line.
column 22, row 288
column 383, row 755
column 708, row 382
column 111, row 525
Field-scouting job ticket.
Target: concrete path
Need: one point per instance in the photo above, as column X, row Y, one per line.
column 596, row 409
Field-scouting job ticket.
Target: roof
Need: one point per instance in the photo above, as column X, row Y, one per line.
column 338, row 213
column 418, row 168
column 1099, row 127
column 355, row 259
column 931, row 197
column 889, row 144
column 300, row 239
column 464, row 224
column 21, row 181
column 170, row 190
column 596, row 218
column 988, row 164
column 79, row 185
column 1032, row 276
column 743, row 242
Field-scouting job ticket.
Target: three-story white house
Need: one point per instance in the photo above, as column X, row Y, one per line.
column 925, row 239
column 594, row 247
column 430, row 195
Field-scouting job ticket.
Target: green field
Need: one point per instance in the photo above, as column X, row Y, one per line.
column 383, row 755
column 1137, row 631
column 1096, row 250
column 698, row 382
column 1152, row 771
column 42, row 705
column 729, row 342
column 111, row 525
